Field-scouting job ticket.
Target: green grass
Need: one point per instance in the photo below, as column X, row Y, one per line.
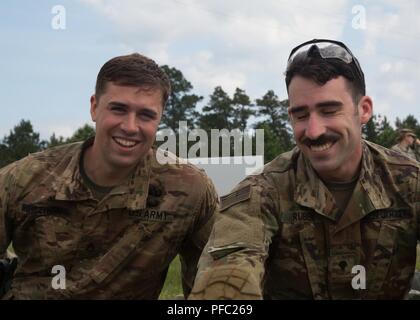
column 173, row 285
column 418, row 257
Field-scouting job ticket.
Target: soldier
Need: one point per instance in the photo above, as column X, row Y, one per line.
column 106, row 210
column 408, row 144
column 337, row 217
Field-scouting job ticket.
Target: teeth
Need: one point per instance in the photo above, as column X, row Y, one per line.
column 321, row 147
column 125, row 143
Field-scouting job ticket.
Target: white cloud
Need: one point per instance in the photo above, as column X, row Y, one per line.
column 246, row 43
column 241, row 37
column 402, row 90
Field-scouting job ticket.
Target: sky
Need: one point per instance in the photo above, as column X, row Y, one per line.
column 51, row 51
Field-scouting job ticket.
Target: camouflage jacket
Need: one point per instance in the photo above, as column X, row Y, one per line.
column 277, row 235
column 410, row 152
column 117, row 248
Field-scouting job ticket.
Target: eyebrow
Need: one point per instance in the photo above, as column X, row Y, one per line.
column 118, row 104
column 324, row 104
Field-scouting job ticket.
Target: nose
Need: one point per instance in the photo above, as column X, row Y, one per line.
column 315, row 127
column 129, row 125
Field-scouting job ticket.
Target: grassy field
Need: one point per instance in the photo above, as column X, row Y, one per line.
column 173, row 285
column 418, row 257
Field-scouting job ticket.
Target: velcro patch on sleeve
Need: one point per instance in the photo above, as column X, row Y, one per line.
column 235, row 197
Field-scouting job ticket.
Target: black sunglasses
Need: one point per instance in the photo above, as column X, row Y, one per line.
column 329, row 49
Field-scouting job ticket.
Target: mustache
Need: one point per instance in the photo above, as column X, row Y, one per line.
column 325, row 138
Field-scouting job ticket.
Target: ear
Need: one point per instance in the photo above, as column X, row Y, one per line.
column 365, row 107
column 93, row 107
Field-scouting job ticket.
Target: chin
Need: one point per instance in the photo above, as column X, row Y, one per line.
column 325, row 168
column 124, row 164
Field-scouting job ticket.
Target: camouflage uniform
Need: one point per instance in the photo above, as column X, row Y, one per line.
column 413, row 154
column 277, row 235
column 119, row 247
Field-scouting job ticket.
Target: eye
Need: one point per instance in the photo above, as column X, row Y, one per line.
column 117, row 109
column 146, row 116
column 300, row 116
column 329, row 112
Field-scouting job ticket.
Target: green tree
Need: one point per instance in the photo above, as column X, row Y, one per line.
column 410, row 122
column 242, row 107
column 54, row 141
column 370, row 130
column 387, row 134
column 379, row 130
column 219, row 112
column 277, row 131
column 21, row 141
column 82, row 134
column 181, row 105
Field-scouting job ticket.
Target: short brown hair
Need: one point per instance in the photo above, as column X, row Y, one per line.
column 133, row 70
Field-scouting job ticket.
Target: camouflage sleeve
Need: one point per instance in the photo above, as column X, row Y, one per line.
column 7, row 187
column 193, row 245
column 232, row 264
column 417, row 206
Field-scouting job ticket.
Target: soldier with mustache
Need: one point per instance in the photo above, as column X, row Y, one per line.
column 337, row 217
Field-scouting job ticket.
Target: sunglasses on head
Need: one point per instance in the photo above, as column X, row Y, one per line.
column 328, row 49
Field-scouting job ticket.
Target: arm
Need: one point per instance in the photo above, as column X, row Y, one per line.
column 7, row 266
column 233, row 263
column 6, row 189
column 193, row 245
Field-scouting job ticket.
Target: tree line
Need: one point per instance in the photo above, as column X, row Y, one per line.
column 221, row 111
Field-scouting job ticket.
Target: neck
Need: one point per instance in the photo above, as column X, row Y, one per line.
column 101, row 173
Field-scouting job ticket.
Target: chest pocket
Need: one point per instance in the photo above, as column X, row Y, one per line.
column 393, row 260
column 164, row 233
column 298, row 263
column 53, row 236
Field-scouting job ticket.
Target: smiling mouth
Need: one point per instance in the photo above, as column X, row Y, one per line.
column 125, row 142
column 321, row 147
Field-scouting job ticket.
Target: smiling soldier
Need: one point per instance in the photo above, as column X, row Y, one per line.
column 105, row 209
column 335, row 218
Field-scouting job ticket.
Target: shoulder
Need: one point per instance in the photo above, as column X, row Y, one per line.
column 35, row 166
column 266, row 185
column 178, row 173
column 391, row 157
column 283, row 162
column 395, row 147
column 396, row 169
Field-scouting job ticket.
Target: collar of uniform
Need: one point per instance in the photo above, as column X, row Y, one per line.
column 371, row 181
column 369, row 193
column 70, row 187
column 137, row 186
column 311, row 192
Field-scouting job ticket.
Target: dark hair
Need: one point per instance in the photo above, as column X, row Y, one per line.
column 310, row 64
column 133, row 70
